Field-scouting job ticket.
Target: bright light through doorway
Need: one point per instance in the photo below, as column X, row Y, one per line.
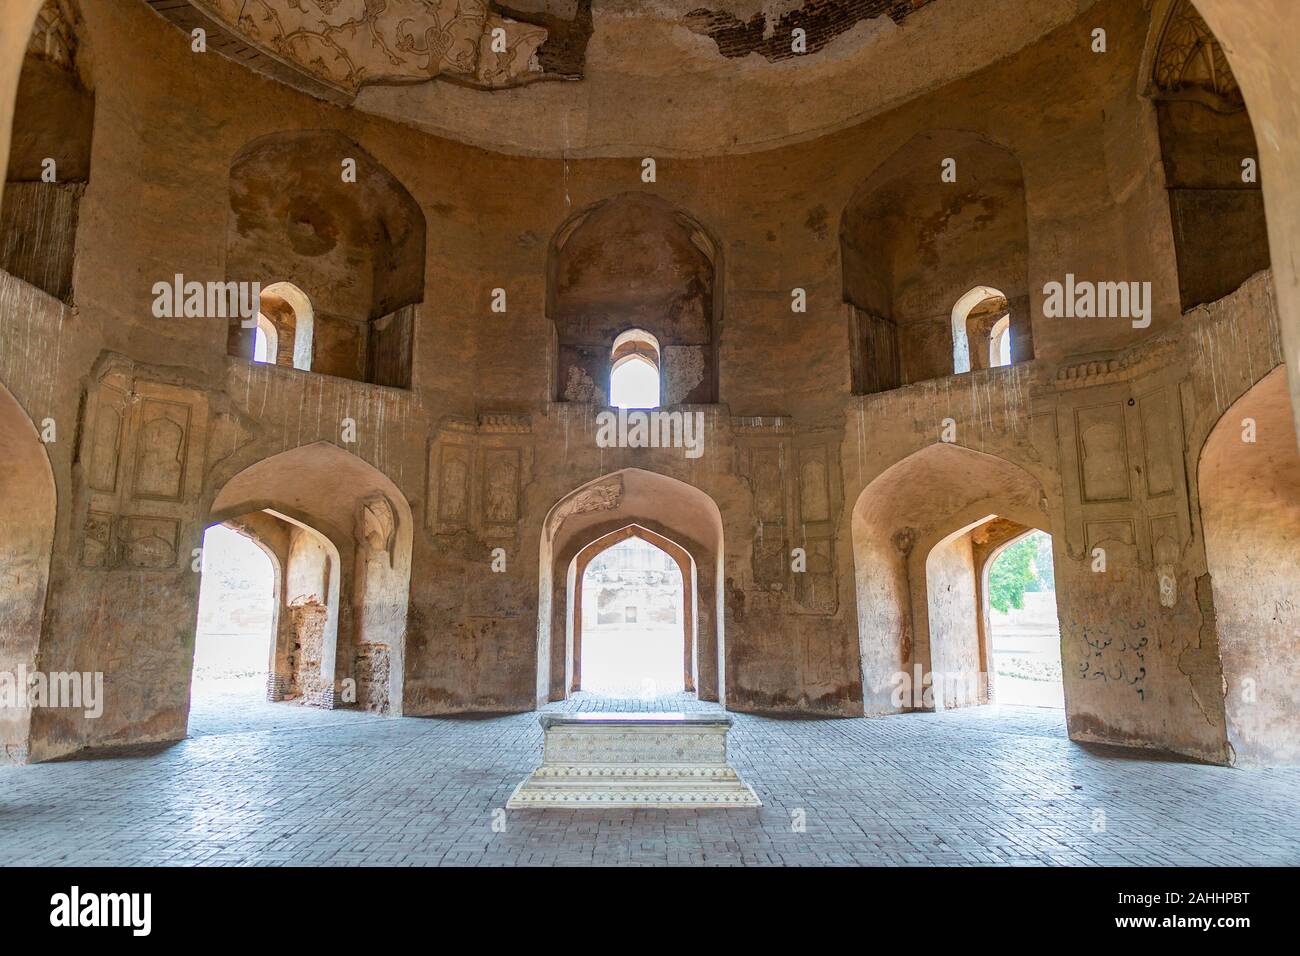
column 634, row 383
column 632, row 639
column 232, row 643
column 1026, row 636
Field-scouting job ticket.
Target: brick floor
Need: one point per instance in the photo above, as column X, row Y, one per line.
column 277, row 784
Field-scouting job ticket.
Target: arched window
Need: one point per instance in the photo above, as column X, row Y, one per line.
column 976, row 319
column 634, row 370
column 266, row 341
column 665, row 283
column 1000, row 342
column 293, row 312
column 369, row 324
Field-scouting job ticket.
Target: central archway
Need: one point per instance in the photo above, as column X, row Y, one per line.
column 584, row 562
column 671, row 514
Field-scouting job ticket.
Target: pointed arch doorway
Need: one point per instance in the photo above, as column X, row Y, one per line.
column 634, row 615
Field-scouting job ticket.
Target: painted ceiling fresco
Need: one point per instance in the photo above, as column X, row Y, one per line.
column 349, row 43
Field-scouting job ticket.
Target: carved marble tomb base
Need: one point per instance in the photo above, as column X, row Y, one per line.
column 634, row 760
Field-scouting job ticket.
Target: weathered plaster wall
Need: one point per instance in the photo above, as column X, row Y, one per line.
column 27, row 511
column 481, row 454
column 953, row 621
column 1249, row 483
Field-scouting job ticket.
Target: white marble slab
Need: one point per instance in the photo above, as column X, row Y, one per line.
column 634, row 760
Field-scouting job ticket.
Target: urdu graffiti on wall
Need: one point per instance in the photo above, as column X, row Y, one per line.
column 1120, row 660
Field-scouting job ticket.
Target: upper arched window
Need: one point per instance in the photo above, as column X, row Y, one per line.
column 266, row 341
column 1000, row 342
column 981, row 330
column 292, row 312
column 634, row 371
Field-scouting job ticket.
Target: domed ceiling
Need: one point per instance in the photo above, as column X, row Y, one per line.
column 619, row 77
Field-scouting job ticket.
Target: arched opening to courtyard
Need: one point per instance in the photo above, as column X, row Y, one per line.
column 925, row 531
column 661, row 540
column 336, row 534
column 238, row 614
column 633, row 631
column 1019, row 587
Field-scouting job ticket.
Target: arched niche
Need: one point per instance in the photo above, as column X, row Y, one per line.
column 912, row 245
column 1262, row 46
column 635, row 261
column 311, row 208
column 50, row 151
column 1216, row 205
